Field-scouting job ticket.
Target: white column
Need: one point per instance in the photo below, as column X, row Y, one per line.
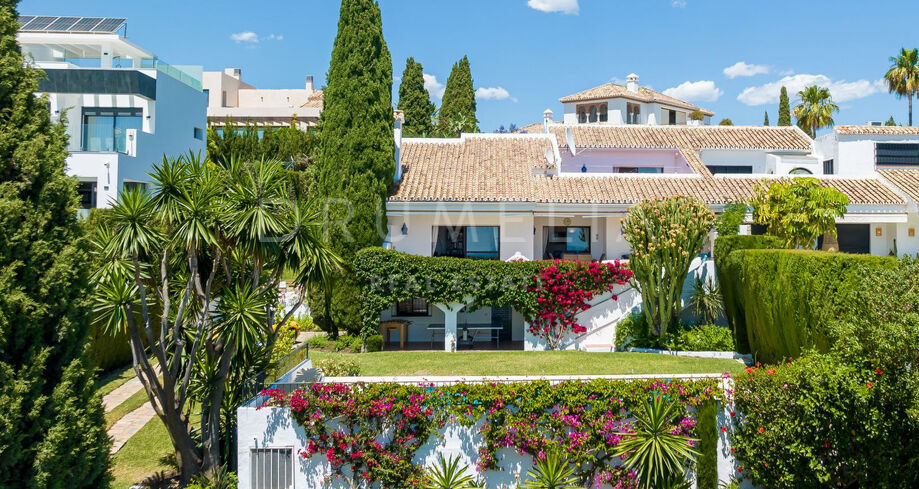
column 450, row 310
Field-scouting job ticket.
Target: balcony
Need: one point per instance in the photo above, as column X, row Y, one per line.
column 101, row 81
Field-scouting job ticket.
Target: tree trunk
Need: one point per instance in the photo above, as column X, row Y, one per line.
column 187, row 458
column 910, row 98
column 211, row 435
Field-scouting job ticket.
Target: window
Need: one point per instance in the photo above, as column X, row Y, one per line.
column 199, row 133
column 640, row 169
column 223, row 98
column 730, row 169
column 828, row 167
column 897, row 154
column 593, row 113
column 582, row 115
column 105, row 128
column 272, row 468
column 561, row 240
column 131, row 186
column 633, row 113
column 467, row 241
column 800, row 171
column 671, row 117
column 87, row 193
column 412, row 307
column 604, row 113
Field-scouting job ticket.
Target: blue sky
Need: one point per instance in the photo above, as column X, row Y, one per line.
column 525, row 54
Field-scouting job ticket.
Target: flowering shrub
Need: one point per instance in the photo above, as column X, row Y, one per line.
column 561, row 293
column 370, row 432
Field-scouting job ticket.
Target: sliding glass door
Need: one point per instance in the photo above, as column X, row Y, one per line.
column 481, row 242
column 105, row 128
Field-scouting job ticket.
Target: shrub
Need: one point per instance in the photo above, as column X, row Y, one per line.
column 374, row 343
column 665, row 234
column 792, row 297
column 820, row 422
column 338, row 366
column 729, row 280
column 318, row 342
column 707, row 431
column 706, row 299
column 709, row 337
column 632, row 330
column 344, row 342
column 696, row 115
column 729, row 221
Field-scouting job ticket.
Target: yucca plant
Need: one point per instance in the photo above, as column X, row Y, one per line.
column 658, row 456
column 706, row 299
column 448, row 474
column 552, row 472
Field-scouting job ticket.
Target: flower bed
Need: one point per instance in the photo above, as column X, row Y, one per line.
column 373, row 431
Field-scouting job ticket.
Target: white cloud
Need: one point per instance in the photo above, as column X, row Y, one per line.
column 251, row 37
column 245, row 36
column 743, row 69
column 678, row 3
column 840, row 90
column 563, row 6
column 700, row 91
column 493, row 93
column 433, row 86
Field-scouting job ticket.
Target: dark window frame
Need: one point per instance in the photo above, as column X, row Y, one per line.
column 828, row 167
column 412, row 307
column 553, row 240
column 730, row 169
column 461, row 250
column 896, row 154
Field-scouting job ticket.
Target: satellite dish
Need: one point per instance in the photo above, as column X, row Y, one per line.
column 569, row 138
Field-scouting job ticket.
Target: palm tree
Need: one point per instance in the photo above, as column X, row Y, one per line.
column 903, row 76
column 815, row 110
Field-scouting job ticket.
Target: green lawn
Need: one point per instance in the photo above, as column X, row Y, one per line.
column 137, row 400
column 530, row 363
column 114, row 379
column 143, row 455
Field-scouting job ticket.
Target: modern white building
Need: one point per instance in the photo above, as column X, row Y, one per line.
column 125, row 109
column 615, row 104
column 229, row 97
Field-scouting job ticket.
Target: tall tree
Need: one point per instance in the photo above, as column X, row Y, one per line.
column 415, row 102
column 815, row 110
column 766, row 119
column 356, row 155
column 458, row 105
column 52, row 429
column 903, row 76
column 784, row 109
column 890, row 122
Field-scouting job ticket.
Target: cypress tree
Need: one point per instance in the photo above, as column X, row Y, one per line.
column 784, row 109
column 766, row 119
column 415, row 102
column 52, row 429
column 356, row 152
column 458, row 106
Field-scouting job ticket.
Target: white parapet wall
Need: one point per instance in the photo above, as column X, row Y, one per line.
column 269, row 428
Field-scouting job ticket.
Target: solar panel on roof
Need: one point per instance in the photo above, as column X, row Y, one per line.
column 109, row 25
column 85, row 24
column 25, row 19
column 41, row 23
column 62, row 23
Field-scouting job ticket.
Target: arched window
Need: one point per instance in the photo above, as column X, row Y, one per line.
column 593, row 113
column 604, row 113
column 800, row 171
column 582, row 115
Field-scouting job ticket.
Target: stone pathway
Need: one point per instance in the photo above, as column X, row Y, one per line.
column 131, row 423
column 121, row 394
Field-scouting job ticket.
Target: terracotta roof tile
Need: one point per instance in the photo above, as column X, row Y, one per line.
column 907, row 181
column 879, row 130
column 315, row 100
column 698, row 137
column 492, row 168
column 612, row 90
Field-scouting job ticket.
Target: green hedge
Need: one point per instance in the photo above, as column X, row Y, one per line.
column 728, row 278
column 791, row 297
column 107, row 351
column 707, row 431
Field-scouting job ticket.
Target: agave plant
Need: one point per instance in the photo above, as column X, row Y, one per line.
column 658, row 456
column 447, row 474
column 552, row 472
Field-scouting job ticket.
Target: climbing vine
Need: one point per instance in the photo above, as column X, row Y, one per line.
column 370, row 432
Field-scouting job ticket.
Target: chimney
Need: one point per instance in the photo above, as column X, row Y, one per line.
column 631, row 83
column 234, row 72
column 309, row 83
column 546, row 120
column 399, row 117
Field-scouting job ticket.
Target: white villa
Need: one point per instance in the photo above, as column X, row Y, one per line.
column 126, row 108
column 562, row 189
column 228, row 96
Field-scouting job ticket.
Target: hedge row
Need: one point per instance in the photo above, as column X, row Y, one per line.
column 780, row 302
column 729, row 279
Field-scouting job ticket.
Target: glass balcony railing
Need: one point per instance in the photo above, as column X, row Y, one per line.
column 188, row 75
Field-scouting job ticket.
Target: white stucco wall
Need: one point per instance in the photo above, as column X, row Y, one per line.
column 721, row 157
column 516, row 233
column 609, row 160
column 908, row 245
